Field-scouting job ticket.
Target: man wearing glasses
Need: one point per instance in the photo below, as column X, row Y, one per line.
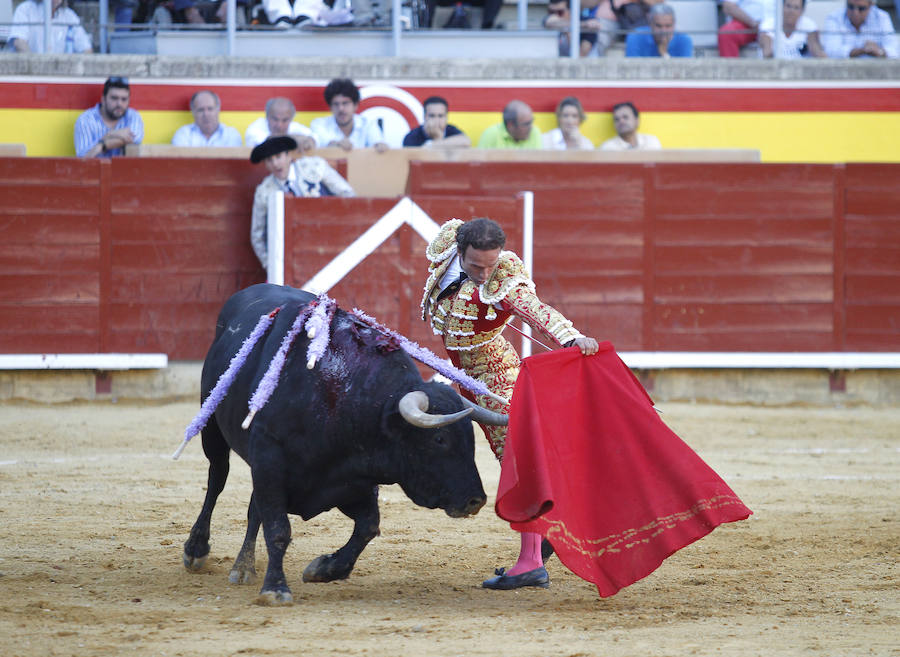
column 860, row 30
column 105, row 129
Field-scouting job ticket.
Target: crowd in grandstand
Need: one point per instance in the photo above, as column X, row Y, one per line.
column 648, row 28
column 106, row 128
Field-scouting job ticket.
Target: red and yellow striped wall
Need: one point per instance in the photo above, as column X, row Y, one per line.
column 811, row 122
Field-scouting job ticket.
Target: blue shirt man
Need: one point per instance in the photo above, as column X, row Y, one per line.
column 660, row 38
column 105, row 129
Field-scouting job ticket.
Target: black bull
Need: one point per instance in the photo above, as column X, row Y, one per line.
column 328, row 437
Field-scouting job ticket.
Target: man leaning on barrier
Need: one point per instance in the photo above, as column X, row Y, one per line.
column 859, row 30
column 206, row 130
column 106, row 128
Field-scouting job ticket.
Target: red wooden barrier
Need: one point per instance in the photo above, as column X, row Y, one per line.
column 137, row 255
column 130, row 255
column 388, row 284
column 771, row 257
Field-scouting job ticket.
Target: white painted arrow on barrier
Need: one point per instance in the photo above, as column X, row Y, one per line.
column 405, row 212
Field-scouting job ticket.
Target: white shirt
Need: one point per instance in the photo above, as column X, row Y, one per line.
column 191, row 135
column 365, row 131
column 839, row 36
column 644, row 143
column 555, row 141
column 791, row 46
column 66, row 33
column 258, row 131
column 758, row 10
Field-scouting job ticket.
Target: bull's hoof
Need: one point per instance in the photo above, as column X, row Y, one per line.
column 193, row 564
column 275, row 598
column 242, row 575
column 326, row 569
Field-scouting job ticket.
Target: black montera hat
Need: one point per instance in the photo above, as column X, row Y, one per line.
column 272, row 146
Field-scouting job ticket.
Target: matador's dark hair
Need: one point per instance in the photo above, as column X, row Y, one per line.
column 482, row 233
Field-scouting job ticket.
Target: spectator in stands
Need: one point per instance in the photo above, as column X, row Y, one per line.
column 516, row 131
column 569, row 117
column 626, row 120
column 198, row 12
column 206, row 129
column 598, row 25
column 66, row 33
column 860, row 30
column 800, row 35
column 659, row 39
column 435, row 131
column 459, row 18
column 279, row 121
column 307, row 177
column 345, row 128
column 741, row 30
column 105, row 129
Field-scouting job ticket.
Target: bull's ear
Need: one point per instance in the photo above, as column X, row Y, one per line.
column 392, row 423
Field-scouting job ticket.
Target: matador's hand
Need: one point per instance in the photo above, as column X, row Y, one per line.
column 588, row 346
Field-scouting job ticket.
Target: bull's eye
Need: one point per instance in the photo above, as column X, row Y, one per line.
column 439, row 438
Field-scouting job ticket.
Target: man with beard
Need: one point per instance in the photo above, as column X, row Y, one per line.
column 105, row 129
column 626, row 120
column 345, row 128
column 206, row 129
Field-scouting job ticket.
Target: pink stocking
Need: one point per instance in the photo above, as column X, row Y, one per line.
column 529, row 554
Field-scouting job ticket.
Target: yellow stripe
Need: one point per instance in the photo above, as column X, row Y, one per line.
column 779, row 136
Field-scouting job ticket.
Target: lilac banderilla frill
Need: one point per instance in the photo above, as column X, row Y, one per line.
column 316, row 318
column 217, row 394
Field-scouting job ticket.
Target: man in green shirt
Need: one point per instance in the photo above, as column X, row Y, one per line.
column 516, row 131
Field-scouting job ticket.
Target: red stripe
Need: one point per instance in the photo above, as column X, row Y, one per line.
column 166, row 97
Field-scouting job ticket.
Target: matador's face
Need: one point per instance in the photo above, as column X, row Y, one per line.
column 478, row 264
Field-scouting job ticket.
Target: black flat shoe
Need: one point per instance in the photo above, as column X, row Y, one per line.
column 502, row 582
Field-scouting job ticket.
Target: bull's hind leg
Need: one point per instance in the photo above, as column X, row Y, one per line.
column 196, row 548
column 244, row 569
column 339, row 565
column 267, row 469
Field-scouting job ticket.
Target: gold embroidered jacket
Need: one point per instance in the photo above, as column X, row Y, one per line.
column 476, row 315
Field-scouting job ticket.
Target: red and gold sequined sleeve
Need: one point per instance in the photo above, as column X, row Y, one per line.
column 523, row 302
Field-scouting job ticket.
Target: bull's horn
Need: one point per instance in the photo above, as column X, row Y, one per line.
column 414, row 407
column 484, row 416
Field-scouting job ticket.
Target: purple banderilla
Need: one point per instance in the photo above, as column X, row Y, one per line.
column 316, row 317
column 427, row 357
column 217, row 394
column 269, row 381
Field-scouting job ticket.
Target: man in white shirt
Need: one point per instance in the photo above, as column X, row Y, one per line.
column 206, row 129
column 626, row 119
column 345, row 128
column 66, row 33
column 860, row 30
column 279, row 121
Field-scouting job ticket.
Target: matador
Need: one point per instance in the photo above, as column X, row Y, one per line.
column 474, row 289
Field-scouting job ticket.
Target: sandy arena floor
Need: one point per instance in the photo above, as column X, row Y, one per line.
column 94, row 513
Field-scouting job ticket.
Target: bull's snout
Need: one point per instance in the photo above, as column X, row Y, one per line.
column 470, row 508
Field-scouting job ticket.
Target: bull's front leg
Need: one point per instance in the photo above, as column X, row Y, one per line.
column 196, row 548
column 267, row 461
column 366, row 519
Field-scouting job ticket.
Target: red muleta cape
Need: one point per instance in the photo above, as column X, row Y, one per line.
column 590, row 465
